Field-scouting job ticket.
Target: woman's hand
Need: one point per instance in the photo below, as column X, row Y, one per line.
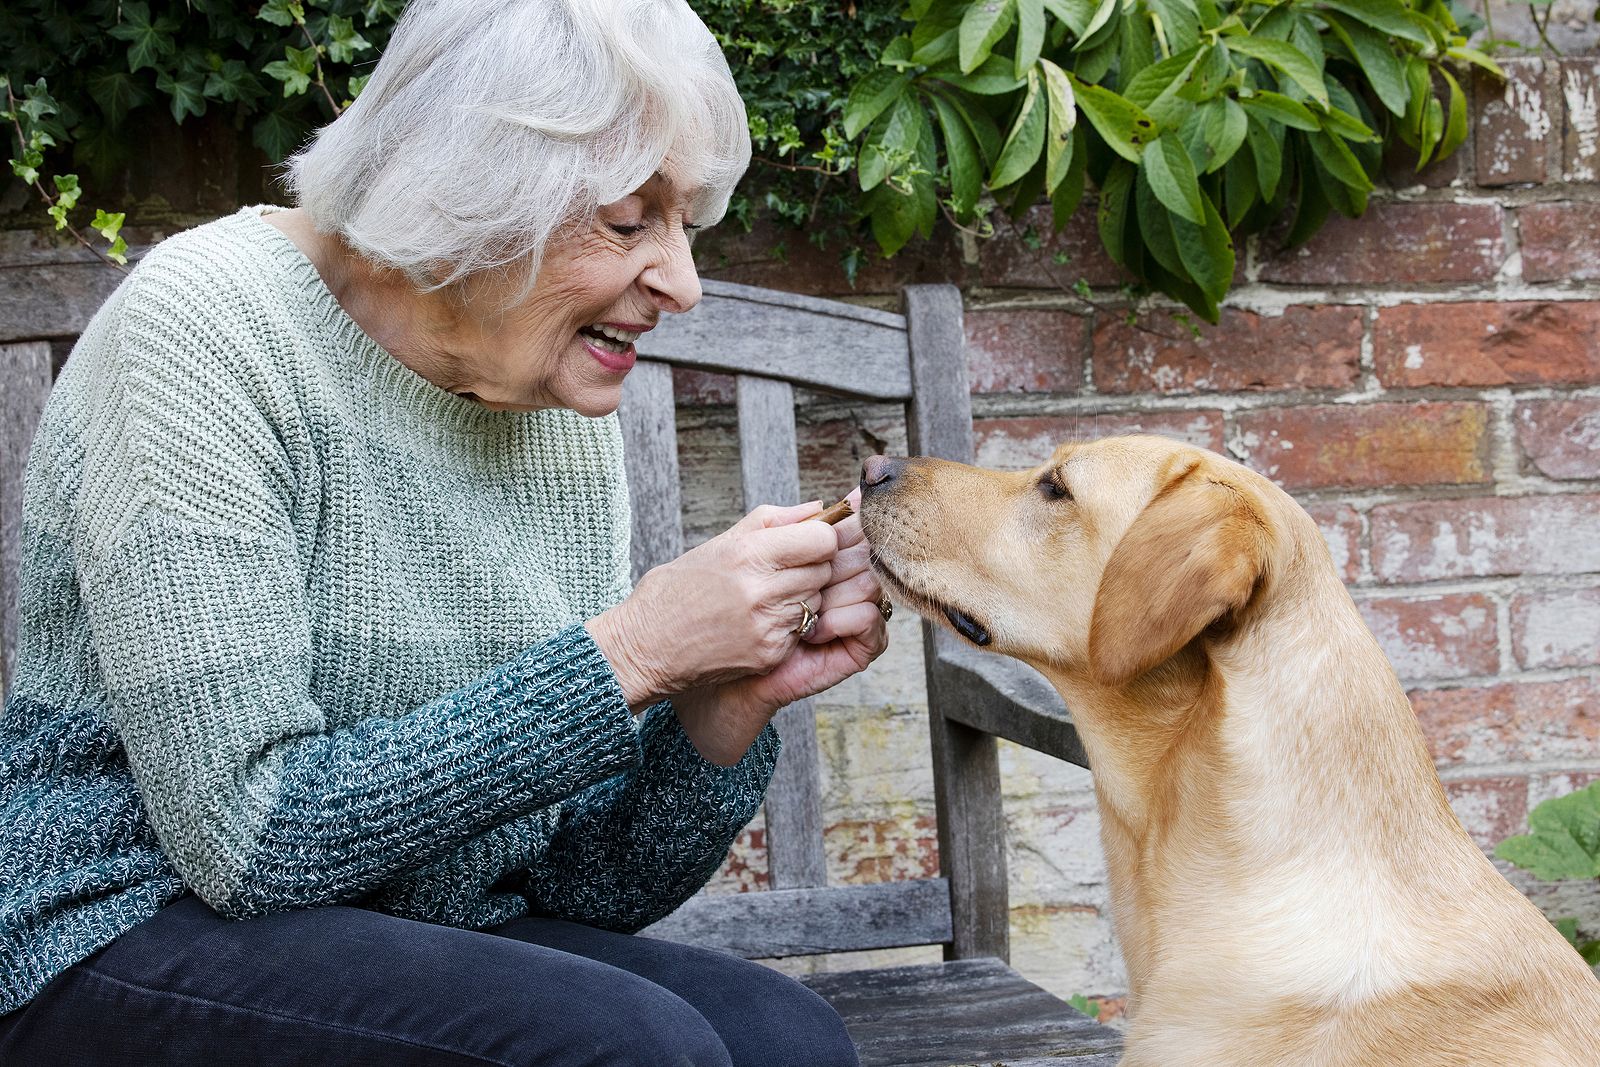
column 723, row 610
column 723, row 720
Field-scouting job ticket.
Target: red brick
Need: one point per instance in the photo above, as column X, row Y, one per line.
column 1303, row 348
column 1341, row 528
column 1512, row 343
column 1004, row 260
column 1018, row 443
column 1514, row 123
column 1492, row 809
column 1512, row 721
column 1431, row 539
column 1403, row 243
column 745, row 867
column 1561, row 438
column 1542, row 787
column 1580, row 85
column 1560, row 241
column 883, row 850
column 1026, row 351
column 1368, row 445
column 1558, row 628
column 1437, row 637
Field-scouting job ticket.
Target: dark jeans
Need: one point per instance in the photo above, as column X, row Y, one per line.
column 335, row 987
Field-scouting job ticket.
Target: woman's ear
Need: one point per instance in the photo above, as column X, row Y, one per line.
column 1194, row 554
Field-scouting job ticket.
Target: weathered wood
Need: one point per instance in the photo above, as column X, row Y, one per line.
column 52, row 299
column 806, row 922
column 25, row 376
column 976, row 1011
column 1003, row 697
column 650, row 444
column 966, row 763
column 819, row 343
column 769, row 468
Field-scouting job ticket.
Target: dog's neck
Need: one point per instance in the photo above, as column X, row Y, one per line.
column 1285, row 756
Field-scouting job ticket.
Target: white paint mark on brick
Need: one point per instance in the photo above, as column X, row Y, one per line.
column 1583, row 116
column 1413, row 357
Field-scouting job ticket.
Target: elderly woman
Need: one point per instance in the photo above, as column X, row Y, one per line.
column 338, row 735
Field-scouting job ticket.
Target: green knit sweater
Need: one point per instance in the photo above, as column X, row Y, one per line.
column 299, row 628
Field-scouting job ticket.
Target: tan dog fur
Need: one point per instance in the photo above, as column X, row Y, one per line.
column 1289, row 884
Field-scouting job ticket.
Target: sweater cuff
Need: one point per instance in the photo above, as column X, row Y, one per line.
column 668, row 752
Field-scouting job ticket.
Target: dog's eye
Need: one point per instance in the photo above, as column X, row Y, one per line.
column 1054, row 490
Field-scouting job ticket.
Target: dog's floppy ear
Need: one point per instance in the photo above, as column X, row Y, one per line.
column 1193, row 555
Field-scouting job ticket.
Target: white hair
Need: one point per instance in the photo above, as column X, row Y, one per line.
column 489, row 124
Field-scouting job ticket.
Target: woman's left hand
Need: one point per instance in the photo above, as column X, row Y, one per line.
column 850, row 634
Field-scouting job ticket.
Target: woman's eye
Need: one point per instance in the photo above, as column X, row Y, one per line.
column 626, row 231
column 1054, row 490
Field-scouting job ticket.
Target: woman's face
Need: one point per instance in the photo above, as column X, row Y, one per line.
column 570, row 343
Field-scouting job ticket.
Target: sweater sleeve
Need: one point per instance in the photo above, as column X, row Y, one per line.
column 192, row 583
column 628, row 851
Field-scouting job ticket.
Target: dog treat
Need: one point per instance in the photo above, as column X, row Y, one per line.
column 837, row 513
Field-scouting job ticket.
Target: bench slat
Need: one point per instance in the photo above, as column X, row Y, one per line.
column 650, row 442
column 769, row 468
column 817, row 343
column 1004, row 697
column 964, row 1011
column 24, row 385
column 806, row 922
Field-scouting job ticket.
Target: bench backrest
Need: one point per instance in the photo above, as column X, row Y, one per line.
column 771, row 341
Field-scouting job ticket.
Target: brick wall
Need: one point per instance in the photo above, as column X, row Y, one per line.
column 1425, row 380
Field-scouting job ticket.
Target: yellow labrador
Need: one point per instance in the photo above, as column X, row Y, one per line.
column 1289, row 884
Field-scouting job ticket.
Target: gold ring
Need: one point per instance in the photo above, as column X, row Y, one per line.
column 885, row 608
column 808, row 620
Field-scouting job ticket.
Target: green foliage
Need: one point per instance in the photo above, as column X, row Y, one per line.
column 1084, row 1006
column 1563, row 843
column 1206, row 119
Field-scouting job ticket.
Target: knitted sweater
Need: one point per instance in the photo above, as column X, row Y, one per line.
column 298, row 628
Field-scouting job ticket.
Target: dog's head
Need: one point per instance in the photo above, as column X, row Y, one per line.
column 1103, row 562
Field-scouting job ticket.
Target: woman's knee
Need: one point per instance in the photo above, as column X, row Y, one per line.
column 794, row 1027
column 649, row 1025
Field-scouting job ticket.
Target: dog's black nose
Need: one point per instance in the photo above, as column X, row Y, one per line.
column 880, row 470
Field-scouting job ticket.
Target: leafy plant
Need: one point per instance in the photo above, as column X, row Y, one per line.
column 1563, row 843
column 1205, row 118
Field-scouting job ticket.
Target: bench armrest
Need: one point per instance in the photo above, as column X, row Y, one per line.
column 1003, row 697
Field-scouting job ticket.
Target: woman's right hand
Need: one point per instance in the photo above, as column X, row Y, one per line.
column 725, row 609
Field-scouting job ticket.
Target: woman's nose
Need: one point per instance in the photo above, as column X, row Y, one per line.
column 672, row 279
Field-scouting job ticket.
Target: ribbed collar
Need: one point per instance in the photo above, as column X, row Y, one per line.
column 398, row 389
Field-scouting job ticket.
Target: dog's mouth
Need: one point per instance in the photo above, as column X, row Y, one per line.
column 963, row 623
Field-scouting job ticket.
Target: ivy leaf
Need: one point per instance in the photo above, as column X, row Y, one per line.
column 148, row 42
column 1030, row 34
column 961, row 152
column 233, row 82
column 294, row 71
column 1173, row 180
column 289, row 12
column 1025, row 140
column 1123, row 124
column 1390, row 16
column 1063, row 117
column 870, row 96
column 985, row 22
column 1376, row 58
column 1563, row 839
column 187, row 93
column 343, row 41
column 1285, row 57
column 117, row 93
column 277, row 133
column 1225, row 123
column 1280, row 108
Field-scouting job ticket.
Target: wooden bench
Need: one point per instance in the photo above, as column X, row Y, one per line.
column 972, row 1008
